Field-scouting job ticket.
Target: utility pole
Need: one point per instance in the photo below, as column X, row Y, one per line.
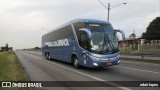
column 108, row 11
column 109, row 7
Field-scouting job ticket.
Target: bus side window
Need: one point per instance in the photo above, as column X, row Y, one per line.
column 83, row 40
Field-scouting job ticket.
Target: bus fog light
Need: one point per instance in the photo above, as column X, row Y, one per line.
column 95, row 64
column 118, row 61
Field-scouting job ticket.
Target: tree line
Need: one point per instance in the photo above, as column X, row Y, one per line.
column 6, row 48
column 153, row 30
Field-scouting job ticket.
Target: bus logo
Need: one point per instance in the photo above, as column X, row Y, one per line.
column 63, row 42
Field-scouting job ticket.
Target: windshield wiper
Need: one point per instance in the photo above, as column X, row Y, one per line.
column 109, row 41
column 104, row 44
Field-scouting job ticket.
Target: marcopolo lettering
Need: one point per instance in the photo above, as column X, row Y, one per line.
column 63, row 42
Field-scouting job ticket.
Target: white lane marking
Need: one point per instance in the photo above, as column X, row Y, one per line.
column 139, row 70
column 99, row 79
column 34, row 52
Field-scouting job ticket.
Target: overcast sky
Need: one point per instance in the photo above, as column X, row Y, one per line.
column 21, row 21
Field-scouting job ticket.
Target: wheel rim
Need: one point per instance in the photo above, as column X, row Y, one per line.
column 49, row 57
column 75, row 62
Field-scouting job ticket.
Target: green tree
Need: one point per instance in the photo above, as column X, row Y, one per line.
column 153, row 30
column 36, row 48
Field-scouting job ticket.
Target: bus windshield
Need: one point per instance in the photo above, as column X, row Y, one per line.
column 103, row 40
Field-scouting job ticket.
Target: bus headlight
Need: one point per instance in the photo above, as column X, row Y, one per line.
column 95, row 64
column 118, row 61
column 98, row 58
column 95, row 58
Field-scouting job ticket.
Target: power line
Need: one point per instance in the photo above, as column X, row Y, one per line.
column 103, row 4
column 45, row 29
column 109, row 7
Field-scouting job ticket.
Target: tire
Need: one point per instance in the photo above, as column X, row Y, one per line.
column 76, row 63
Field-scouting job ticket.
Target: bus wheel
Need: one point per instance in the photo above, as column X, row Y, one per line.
column 76, row 63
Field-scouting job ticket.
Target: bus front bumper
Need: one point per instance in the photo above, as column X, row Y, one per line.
column 105, row 63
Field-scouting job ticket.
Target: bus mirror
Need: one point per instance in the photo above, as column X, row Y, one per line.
column 88, row 31
column 123, row 34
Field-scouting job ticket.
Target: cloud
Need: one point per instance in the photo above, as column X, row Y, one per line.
column 21, row 21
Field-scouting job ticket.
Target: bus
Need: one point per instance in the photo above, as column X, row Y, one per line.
column 83, row 42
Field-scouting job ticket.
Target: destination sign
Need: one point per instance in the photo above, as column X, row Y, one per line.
column 95, row 25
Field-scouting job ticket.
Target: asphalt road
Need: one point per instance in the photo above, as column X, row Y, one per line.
column 38, row 68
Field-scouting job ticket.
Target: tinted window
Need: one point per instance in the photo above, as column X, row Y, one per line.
column 83, row 40
column 78, row 26
column 61, row 33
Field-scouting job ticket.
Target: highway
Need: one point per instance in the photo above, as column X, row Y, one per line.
column 37, row 68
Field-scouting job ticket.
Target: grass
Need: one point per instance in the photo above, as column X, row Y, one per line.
column 143, row 49
column 11, row 70
column 127, row 50
column 141, row 60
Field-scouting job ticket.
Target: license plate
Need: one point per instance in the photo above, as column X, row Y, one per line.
column 109, row 64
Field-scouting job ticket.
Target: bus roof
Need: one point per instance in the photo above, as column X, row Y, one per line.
column 89, row 20
column 80, row 20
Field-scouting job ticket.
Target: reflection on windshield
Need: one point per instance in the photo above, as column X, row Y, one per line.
column 103, row 39
column 97, row 41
